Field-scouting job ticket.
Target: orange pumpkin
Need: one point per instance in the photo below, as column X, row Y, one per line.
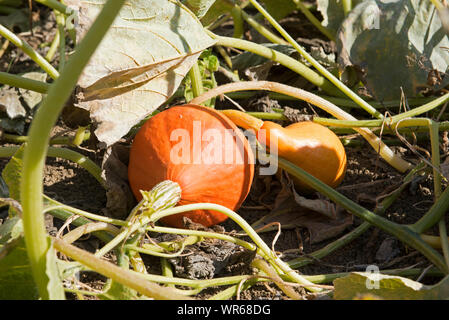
column 200, row 149
column 310, row 146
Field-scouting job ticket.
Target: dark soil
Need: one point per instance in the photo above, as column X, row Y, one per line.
column 368, row 178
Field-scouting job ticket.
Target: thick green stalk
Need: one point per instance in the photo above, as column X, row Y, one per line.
column 237, row 18
column 28, row 50
column 347, row 6
column 262, row 30
column 78, row 158
column 39, row 136
column 309, row 15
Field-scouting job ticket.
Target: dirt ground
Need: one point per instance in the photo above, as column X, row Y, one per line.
column 367, row 178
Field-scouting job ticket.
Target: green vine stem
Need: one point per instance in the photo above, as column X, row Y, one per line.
column 61, row 22
column 28, row 50
column 406, row 234
column 279, row 57
column 39, row 136
column 52, row 205
column 125, row 277
column 24, row 83
column 353, row 96
column 340, row 101
column 74, row 141
column 77, row 233
column 317, row 23
column 385, row 152
column 261, row 29
column 78, row 158
column 53, row 47
column 54, row 4
column 390, row 121
column 267, row 269
column 347, row 6
column 270, row 256
column 361, row 229
column 206, row 234
column 238, row 24
column 324, row 278
column 196, row 80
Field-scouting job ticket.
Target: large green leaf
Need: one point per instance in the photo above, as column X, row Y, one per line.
column 396, row 45
column 12, row 175
column 279, row 9
column 16, row 279
column 359, row 284
column 139, row 64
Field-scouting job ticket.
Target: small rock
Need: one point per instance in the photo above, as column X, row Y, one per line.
column 387, row 250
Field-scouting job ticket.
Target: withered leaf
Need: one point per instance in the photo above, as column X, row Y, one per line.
column 322, row 218
column 140, row 63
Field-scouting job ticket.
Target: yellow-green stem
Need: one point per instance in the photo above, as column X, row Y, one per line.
column 39, row 135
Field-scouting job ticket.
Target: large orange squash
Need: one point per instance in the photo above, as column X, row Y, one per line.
column 200, row 149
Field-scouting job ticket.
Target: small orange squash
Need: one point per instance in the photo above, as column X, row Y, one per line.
column 310, row 146
column 184, row 144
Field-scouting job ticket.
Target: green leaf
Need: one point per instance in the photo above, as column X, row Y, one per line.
column 395, row 45
column 279, row 9
column 55, row 288
column 360, row 284
column 18, row 19
column 12, row 175
column 333, row 14
column 218, row 8
column 11, row 230
column 115, row 290
column 16, row 279
column 198, row 7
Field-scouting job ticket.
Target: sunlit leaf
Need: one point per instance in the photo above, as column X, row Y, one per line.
column 16, row 279
column 361, row 284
